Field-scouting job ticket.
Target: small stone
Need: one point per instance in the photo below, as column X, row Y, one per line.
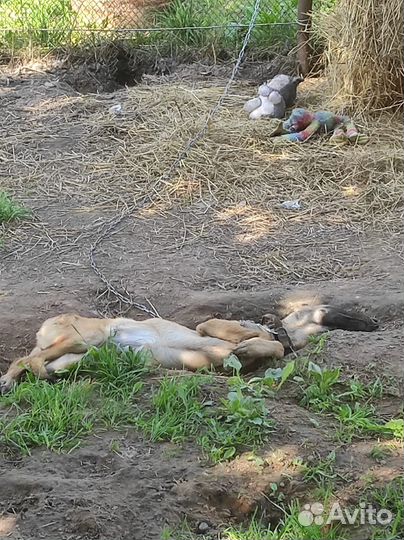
column 203, row 527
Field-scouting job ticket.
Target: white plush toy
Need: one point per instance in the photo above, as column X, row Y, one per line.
column 274, row 97
column 269, row 104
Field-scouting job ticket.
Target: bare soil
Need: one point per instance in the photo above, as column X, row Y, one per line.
column 190, row 263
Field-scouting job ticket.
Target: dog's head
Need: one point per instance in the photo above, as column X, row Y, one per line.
column 363, row 323
column 351, row 319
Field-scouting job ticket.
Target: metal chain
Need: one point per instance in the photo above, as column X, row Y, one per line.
column 165, row 178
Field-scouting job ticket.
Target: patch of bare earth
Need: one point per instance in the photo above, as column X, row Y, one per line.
column 215, row 240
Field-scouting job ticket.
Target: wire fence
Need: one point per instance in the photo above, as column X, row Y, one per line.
column 194, row 23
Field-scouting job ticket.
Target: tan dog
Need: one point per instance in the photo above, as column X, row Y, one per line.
column 62, row 341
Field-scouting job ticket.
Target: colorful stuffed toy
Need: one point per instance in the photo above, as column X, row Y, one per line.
column 273, row 98
column 302, row 125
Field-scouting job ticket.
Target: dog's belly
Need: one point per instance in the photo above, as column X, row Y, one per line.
column 136, row 338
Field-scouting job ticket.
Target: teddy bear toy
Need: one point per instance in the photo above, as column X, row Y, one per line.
column 268, row 104
column 273, row 98
column 303, row 124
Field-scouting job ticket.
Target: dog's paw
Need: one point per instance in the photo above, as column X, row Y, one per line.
column 6, row 384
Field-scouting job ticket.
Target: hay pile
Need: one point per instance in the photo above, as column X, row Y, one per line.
column 364, row 53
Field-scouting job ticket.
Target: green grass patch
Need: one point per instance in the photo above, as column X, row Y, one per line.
column 396, row 428
column 389, row 497
column 380, row 452
column 240, row 422
column 185, row 26
column 59, row 415
column 10, row 210
column 53, row 415
column 177, row 409
column 118, row 373
column 319, row 386
column 289, row 528
column 113, row 394
column 118, row 376
column 276, row 23
column 179, row 412
column 348, row 402
column 181, row 532
column 40, row 23
column 359, row 419
column 323, row 391
column 322, row 472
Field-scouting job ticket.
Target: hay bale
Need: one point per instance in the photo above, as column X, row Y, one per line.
column 364, row 53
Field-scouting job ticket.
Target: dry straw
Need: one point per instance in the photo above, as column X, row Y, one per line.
column 364, row 53
column 114, row 160
column 70, row 155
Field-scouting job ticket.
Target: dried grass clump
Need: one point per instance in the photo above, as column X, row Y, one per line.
column 364, row 53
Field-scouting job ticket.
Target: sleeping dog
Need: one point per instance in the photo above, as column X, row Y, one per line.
column 62, row 341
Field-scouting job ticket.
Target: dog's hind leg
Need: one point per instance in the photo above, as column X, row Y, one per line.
column 15, row 370
column 64, row 362
column 37, row 360
column 203, row 353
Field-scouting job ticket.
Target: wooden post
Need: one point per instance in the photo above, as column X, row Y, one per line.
column 304, row 9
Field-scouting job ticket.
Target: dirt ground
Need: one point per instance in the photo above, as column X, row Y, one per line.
column 64, row 157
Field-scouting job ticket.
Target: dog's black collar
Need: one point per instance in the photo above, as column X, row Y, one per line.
column 281, row 335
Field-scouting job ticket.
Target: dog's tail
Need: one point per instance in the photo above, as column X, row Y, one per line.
column 335, row 318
